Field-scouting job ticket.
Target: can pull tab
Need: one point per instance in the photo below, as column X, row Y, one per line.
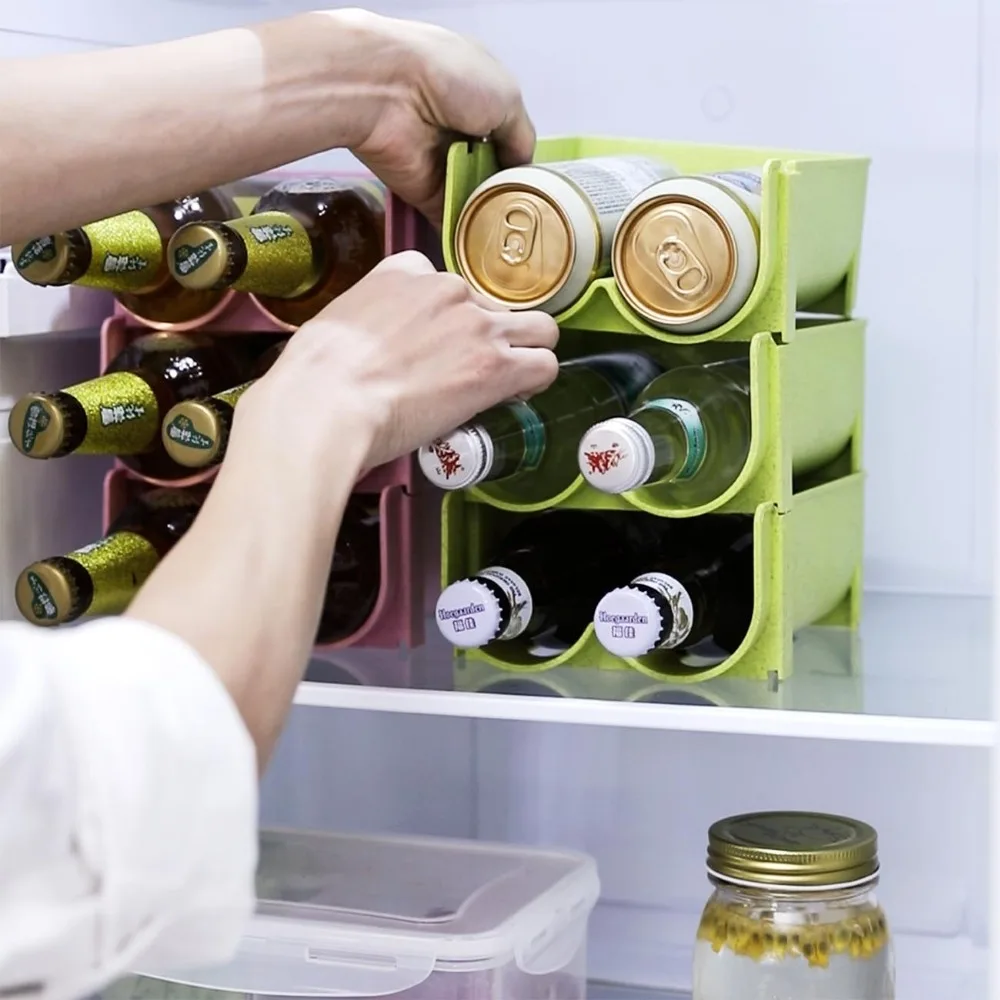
column 518, row 232
column 685, row 273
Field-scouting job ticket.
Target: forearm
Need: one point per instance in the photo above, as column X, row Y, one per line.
column 246, row 585
column 115, row 130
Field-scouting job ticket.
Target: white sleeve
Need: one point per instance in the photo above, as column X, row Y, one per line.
column 128, row 808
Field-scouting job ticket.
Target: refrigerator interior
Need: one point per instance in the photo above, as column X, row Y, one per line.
column 914, row 87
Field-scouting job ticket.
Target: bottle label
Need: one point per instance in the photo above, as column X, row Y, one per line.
column 311, row 185
column 272, row 232
column 126, row 253
column 187, row 259
column 517, row 596
column 36, row 420
column 122, row 414
column 610, row 183
column 43, row 605
column 41, row 250
column 183, row 432
column 681, row 606
column 627, row 373
column 694, row 433
column 118, row 566
column 280, row 262
column 533, row 429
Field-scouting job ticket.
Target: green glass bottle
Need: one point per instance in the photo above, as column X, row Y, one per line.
column 528, row 446
column 688, row 436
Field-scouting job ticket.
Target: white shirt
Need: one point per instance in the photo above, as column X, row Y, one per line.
column 128, row 808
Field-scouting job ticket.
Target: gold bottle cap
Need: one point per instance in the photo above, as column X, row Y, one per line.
column 194, row 433
column 674, row 260
column 46, row 594
column 38, row 425
column 46, row 260
column 515, row 245
column 199, row 256
column 793, row 849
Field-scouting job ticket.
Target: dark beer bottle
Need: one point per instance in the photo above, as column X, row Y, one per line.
column 530, row 445
column 195, row 433
column 688, row 436
column 119, row 413
column 697, row 601
column 545, row 579
column 127, row 255
column 355, row 573
column 305, row 243
column 102, row 578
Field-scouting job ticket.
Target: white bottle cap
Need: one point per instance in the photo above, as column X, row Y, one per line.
column 628, row 622
column 617, row 455
column 463, row 458
column 468, row 614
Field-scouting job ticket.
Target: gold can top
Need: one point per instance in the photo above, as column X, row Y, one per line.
column 199, row 256
column 38, row 425
column 195, row 433
column 47, row 594
column 674, row 259
column 48, row 260
column 793, row 849
column 515, row 245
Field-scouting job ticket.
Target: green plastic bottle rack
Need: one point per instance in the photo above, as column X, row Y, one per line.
column 806, row 401
column 811, row 220
column 807, row 570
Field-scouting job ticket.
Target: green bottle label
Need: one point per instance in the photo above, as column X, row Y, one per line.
column 35, row 421
column 694, row 433
column 43, row 249
column 42, row 604
column 188, row 259
column 533, row 428
column 182, row 430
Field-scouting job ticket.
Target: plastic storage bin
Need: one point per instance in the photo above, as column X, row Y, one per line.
column 811, row 221
column 410, row 918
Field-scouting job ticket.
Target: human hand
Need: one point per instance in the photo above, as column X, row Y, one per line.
column 403, row 356
column 439, row 86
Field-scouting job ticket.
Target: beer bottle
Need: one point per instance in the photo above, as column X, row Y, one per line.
column 696, row 601
column 530, row 444
column 127, row 255
column 119, row 413
column 305, row 243
column 543, row 582
column 195, row 433
column 102, row 578
column 688, row 436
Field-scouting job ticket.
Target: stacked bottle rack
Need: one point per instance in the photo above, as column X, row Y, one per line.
column 398, row 615
column 807, row 387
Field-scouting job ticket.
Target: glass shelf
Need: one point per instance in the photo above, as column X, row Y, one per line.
column 918, row 671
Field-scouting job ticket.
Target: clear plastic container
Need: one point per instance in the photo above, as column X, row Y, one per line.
column 412, row 918
column 794, row 914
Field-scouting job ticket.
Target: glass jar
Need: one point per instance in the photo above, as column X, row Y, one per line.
column 794, row 914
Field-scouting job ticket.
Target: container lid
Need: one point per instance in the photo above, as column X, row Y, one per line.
column 793, row 850
column 341, row 915
column 616, row 455
column 468, row 614
column 461, row 459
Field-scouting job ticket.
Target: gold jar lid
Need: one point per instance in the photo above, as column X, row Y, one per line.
column 515, row 245
column 38, row 425
column 48, row 259
column 46, row 594
column 199, row 256
column 674, row 259
column 793, row 849
column 194, row 433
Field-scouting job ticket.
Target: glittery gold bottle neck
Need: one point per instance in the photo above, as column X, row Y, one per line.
column 281, row 261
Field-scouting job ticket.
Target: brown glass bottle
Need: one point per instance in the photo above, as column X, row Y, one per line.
column 305, row 243
column 102, row 578
column 195, row 433
column 119, row 413
column 355, row 572
column 127, row 255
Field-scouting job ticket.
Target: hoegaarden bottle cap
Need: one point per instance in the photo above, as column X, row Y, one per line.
column 38, row 425
column 793, row 850
column 46, row 594
column 463, row 458
column 617, row 455
column 468, row 614
column 628, row 622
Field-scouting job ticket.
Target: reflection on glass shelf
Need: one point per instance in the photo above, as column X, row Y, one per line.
column 917, row 661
